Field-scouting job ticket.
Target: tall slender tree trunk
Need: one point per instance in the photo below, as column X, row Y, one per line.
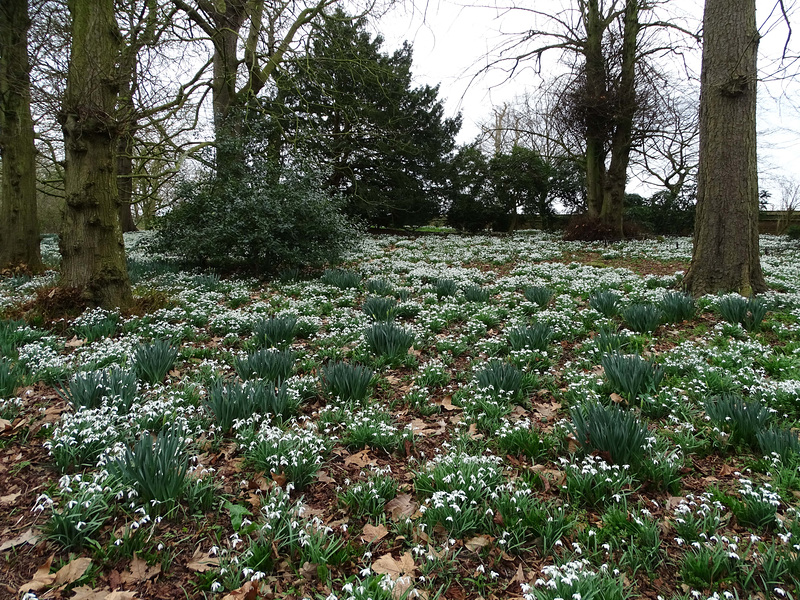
column 92, row 248
column 19, row 227
column 622, row 137
column 595, row 93
column 726, row 250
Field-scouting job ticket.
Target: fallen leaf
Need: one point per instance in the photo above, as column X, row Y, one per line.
column 617, row 399
column 121, row 596
column 394, row 568
column 27, row 537
column 323, row 477
column 139, row 572
column 519, row 576
column 72, row 571
column 279, row 478
column 249, row 591
column 359, row 459
column 477, row 542
column 372, row 534
column 41, row 579
column 5, row 425
column 447, row 404
column 10, row 498
column 202, row 562
column 86, row 592
column 401, row 506
column 725, row 471
column 74, row 342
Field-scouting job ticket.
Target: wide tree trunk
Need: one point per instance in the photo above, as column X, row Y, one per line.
column 92, row 248
column 19, row 227
column 726, row 252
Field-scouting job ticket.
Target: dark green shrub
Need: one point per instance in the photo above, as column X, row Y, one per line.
column 341, row 278
column 346, row 381
column 10, row 378
column 781, row 442
column 535, row 337
column 631, row 375
column 501, row 377
column 269, row 364
column 605, row 302
column 677, row 307
column 389, row 341
column 445, row 288
column 380, row 309
column 261, row 221
column 643, row 318
column 277, row 332
column 87, row 389
column 152, row 362
column 380, row 287
column 475, row 293
column 748, row 312
column 610, row 430
column 743, row 419
column 157, row 470
column 539, row 295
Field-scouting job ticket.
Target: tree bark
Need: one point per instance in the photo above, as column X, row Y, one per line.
column 92, row 248
column 19, row 227
column 609, row 108
column 726, row 248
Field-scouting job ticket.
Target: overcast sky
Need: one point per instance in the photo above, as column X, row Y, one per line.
column 454, row 39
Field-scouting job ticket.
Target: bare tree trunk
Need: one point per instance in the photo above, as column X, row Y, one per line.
column 19, row 227
column 125, row 182
column 92, row 248
column 726, row 251
column 622, row 138
column 595, row 93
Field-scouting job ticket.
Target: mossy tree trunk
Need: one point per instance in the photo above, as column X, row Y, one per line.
column 726, row 250
column 19, row 227
column 92, row 248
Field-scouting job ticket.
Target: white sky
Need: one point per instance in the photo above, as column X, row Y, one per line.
column 453, row 39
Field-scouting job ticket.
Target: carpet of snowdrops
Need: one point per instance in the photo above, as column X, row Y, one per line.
column 438, row 417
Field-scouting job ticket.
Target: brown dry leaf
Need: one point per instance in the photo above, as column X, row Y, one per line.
column 547, row 411
column 473, row 432
column 121, row 596
column 249, row 591
column 41, row 579
column 519, row 412
column 202, row 562
column 85, row 592
column 279, row 478
column 9, row 499
column 5, row 425
column 394, row 568
column 519, row 577
column 359, row 459
column 617, row 399
column 74, row 342
column 725, row 471
column 477, row 542
column 139, row 572
column 373, row 534
column 72, row 571
column 447, row 403
column 392, row 379
column 323, row 477
column 28, row 537
column 401, row 506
